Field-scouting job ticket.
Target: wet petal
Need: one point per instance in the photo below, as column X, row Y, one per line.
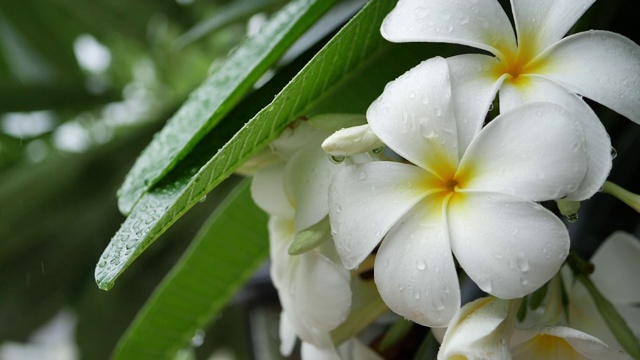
column 414, row 268
column 287, row 335
column 584, row 316
column 600, row 65
column 474, row 85
column 315, row 294
column 480, row 330
column 481, row 24
column 414, row 116
column 617, row 263
column 541, row 23
column 559, row 342
column 281, row 233
column 267, row 190
column 320, row 291
column 296, row 136
column 366, row 200
column 514, row 154
column 597, row 141
column 508, row 246
column 307, row 178
column 311, row 352
column 354, row 349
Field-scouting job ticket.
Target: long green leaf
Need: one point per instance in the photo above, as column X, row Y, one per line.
column 210, row 102
column 356, row 61
column 225, row 253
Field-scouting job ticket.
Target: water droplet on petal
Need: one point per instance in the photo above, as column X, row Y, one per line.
column 362, row 175
column 416, row 294
column 523, row 262
column 614, row 153
column 421, row 265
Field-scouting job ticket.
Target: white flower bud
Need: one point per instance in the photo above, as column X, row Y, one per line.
column 352, row 141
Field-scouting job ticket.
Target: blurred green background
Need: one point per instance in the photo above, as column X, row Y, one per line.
column 84, row 85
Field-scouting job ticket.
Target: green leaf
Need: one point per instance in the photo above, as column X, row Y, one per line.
column 226, row 252
column 345, row 76
column 210, row 102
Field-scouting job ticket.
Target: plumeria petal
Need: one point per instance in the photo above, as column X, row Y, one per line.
column 559, row 342
column 296, row 136
column 617, row 264
column 597, row 141
column 307, row 177
column 600, row 65
column 268, row 192
column 313, row 290
column 616, row 268
column 514, row 154
column 281, row 231
column 359, row 220
column 584, row 316
column 414, row 115
column 473, row 88
column 540, row 23
column 631, row 314
column 480, row 330
column 287, row 335
column 481, row 24
column 320, row 291
column 354, row 349
column 414, row 268
column 508, row 246
column 312, row 352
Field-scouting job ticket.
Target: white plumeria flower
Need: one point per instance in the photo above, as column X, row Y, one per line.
column 477, row 200
column 617, row 265
column 538, row 65
column 313, row 287
column 484, row 329
column 560, row 343
column 481, row 329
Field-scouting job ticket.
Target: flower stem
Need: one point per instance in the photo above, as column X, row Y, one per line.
column 626, row 196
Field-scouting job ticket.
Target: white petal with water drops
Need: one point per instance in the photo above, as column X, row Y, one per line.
column 414, row 270
column 507, row 245
column 480, row 23
column 366, row 200
column 597, row 141
column 540, row 23
column 600, row 65
column 414, row 114
column 514, row 154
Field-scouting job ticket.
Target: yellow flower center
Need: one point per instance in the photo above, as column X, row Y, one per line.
column 447, row 182
column 545, row 346
column 518, row 65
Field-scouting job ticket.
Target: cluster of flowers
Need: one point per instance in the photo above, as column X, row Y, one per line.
column 423, row 179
